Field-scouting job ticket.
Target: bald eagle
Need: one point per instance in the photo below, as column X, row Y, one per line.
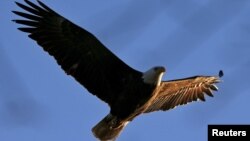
column 127, row 91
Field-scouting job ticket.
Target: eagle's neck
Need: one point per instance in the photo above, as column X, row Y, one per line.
column 153, row 76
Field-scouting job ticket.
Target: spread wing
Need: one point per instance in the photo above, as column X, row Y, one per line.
column 179, row 92
column 78, row 52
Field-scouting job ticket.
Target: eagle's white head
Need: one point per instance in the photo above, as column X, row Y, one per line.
column 154, row 75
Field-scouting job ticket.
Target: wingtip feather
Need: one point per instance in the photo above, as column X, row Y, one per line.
column 15, row 21
column 17, row 3
column 208, row 92
column 13, row 11
column 214, row 87
column 202, row 99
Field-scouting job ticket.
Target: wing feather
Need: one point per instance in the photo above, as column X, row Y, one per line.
column 179, row 92
column 208, row 92
column 78, row 52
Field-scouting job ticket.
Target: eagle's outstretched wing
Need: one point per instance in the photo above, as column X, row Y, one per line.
column 77, row 51
column 179, row 92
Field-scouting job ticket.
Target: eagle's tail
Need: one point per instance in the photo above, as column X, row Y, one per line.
column 109, row 128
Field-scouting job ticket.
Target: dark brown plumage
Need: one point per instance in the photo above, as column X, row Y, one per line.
column 127, row 91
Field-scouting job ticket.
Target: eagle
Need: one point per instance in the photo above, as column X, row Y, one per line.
column 127, row 91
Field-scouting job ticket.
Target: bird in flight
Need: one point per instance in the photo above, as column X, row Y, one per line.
column 127, row 91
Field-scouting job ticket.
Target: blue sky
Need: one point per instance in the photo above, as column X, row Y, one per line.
column 39, row 102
